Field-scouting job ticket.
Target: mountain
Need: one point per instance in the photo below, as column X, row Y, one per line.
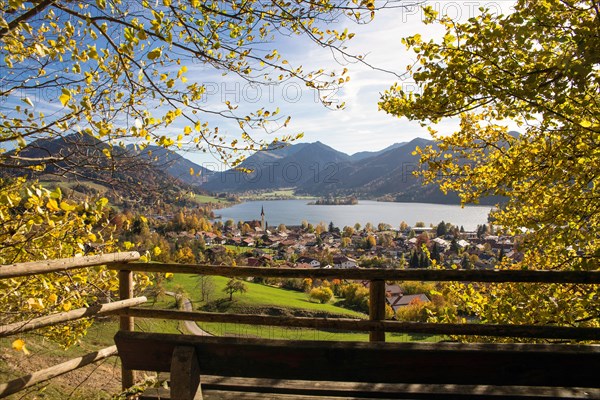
column 290, row 166
column 387, row 176
column 174, row 164
column 78, row 163
column 388, row 172
column 366, row 154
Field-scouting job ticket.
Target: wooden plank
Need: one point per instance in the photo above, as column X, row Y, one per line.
column 224, row 395
column 65, row 264
column 389, row 390
column 424, row 363
column 348, row 324
column 17, row 385
column 377, row 309
column 54, row 319
column 533, row 276
column 185, row 374
column 222, row 387
column 126, row 323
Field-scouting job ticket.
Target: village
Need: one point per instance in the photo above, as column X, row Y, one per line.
column 258, row 244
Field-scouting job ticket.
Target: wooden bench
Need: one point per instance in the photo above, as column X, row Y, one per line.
column 236, row 368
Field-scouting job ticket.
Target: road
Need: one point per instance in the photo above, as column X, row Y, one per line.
column 190, row 326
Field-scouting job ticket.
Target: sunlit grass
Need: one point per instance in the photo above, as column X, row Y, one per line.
column 261, row 298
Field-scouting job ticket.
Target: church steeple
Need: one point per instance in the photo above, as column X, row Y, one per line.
column 262, row 218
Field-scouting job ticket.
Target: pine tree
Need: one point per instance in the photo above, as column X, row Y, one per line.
column 414, row 260
column 435, row 252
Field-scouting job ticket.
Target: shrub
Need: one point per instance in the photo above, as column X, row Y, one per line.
column 321, row 294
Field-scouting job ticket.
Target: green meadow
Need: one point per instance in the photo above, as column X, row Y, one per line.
column 264, row 299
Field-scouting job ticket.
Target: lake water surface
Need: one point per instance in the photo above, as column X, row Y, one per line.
column 292, row 212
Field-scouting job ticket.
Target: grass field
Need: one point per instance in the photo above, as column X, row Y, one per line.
column 275, row 194
column 204, row 199
column 263, row 299
column 244, row 249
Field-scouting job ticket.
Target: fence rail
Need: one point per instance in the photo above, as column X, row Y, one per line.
column 64, row 264
column 59, row 318
column 19, row 384
column 437, row 275
column 358, row 325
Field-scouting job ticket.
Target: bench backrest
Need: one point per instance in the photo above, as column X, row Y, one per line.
column 433, row 363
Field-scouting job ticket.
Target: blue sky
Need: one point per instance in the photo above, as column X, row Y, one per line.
column 360, row 126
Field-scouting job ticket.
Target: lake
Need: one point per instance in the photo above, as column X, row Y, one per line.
column 292, row 212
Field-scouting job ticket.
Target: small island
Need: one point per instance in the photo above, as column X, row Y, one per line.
column 335, row 201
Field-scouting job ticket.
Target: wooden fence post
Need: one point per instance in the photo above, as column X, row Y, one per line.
column 377, row 308
column 126, row 322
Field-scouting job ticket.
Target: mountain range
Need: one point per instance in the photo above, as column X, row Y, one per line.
column 309, row 168
column 319, row 170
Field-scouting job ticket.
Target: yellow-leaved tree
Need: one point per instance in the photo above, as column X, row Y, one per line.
column 538, row 67
column 37, row 224
column 118, row 72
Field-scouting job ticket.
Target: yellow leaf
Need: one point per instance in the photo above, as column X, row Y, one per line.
column 154, row 54
column 35, row 304
column 27, row 100
column 66, row 206
column 52, row 205
column 156, row 251
column 19, row 345
column 65, row 97
column 169, row 275
column 66, row 305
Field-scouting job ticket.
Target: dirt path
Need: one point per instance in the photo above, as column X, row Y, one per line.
column 191, row 326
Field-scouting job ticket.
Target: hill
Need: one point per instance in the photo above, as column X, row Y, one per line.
column 78, row 163
column 174, row 164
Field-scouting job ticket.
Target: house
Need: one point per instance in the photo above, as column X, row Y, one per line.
column 209, row 238
column 344, row 262
column 443, row 244
column 393, row 290
column 261, row 261
column 463, row 243
column 216, row 250
column 406, row 300
column 421, row 229
column 309, row 260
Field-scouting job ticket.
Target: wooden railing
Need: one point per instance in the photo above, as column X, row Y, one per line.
column 376, row 325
